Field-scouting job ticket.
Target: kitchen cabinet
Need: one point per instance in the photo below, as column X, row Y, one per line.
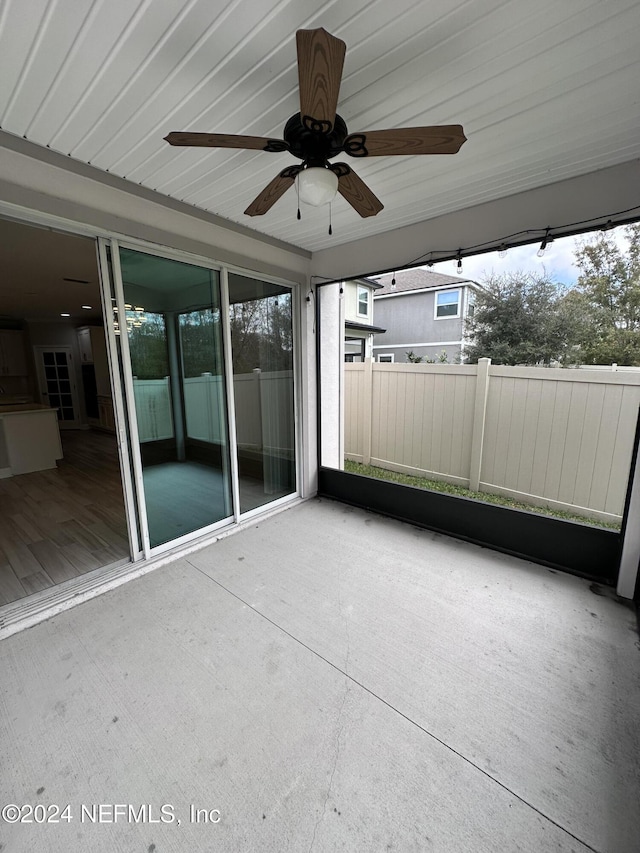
column 96, row 383
column 13, row 360
column 29, row 439
column 93, row 350
column 84, row 344
column 105, row 414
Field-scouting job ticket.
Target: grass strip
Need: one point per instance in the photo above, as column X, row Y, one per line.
column 452, row 489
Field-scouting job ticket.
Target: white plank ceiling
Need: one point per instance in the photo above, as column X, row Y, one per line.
column 545, row 91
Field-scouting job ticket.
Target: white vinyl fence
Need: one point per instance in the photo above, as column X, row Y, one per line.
column 153, row 408
column 548, row 437
column 263, row 404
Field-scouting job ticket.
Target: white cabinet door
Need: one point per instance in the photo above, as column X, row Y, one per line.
column 84, row 344
column 13, row 361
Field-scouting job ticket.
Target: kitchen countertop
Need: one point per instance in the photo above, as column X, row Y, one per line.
column 19, row 408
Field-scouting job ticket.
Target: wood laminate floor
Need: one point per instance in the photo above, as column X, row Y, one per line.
column 61, row 523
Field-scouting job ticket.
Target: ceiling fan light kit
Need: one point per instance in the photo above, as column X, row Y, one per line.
column 317, row 185
column 317, row 134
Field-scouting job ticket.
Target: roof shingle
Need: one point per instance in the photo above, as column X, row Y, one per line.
column 416, row 279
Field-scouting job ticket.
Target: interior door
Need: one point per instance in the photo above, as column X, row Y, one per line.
column 55, row 370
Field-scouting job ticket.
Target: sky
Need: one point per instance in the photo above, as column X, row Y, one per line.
column 557, row 261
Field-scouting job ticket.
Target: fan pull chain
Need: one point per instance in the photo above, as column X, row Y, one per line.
column 330, row 228
column 299, row 217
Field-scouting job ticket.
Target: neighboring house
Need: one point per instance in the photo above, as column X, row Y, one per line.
column 359, row 330
column 424, row 313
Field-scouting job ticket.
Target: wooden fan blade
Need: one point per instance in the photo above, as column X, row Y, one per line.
column 273, row 191
column 225, row 140
column 356, row 192
column 320, row 61
column 446, row 139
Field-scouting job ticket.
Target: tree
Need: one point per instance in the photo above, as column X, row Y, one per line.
column 520, row 318
column 148, row 347
column 606, row 299
column 262, row 334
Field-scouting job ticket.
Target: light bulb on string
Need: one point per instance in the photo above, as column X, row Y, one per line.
column 502, row 251
column 545, row 242
column 459, row 264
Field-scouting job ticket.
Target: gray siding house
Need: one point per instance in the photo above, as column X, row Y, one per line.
column 424, row 313
column 359, row 330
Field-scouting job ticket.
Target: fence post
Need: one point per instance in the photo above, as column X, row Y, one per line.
column 367, row 414
column 257, row 375
column 479, row 418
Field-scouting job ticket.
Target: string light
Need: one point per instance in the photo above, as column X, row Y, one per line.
column 606, row 222
column 545, row 242
column 502, row 251
column 519, row 238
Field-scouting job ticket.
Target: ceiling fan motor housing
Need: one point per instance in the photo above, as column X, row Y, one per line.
column 315, row 147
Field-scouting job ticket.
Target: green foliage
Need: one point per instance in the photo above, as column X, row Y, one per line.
column 525, row 318
column 441, row 358
column 606, row 300
column 261, row 334
column 200, row 339
column 451, row 489
column 520, row 318
column 148, row 348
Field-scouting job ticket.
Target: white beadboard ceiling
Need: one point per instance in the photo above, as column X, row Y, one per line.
column 545, row 91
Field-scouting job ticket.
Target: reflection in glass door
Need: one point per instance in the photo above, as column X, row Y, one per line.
column 260, row 314
column 172, row 323
column 56, row 383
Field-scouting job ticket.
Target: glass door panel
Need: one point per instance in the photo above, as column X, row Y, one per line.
column 173, row 325
column 260, row 314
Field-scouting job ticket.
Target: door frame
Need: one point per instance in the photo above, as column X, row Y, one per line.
column 38, row 357
column 127, row 426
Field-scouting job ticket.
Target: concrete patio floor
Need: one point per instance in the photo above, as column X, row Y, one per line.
column 328, row 680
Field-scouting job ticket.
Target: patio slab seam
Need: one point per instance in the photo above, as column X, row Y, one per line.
column 394, row 709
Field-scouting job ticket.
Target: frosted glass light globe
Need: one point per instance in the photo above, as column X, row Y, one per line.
column 317, row 185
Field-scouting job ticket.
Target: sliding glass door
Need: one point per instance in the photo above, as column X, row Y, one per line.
column 172, row 322
column 262, row 360
column 207, row 362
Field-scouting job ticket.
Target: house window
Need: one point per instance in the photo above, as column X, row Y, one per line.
column 448, row 303
column 363, row 302
column 387, row 356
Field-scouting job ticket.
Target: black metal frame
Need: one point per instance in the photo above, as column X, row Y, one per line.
column 580, row 549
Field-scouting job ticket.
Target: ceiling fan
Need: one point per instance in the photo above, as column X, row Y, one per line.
column 317, row 134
